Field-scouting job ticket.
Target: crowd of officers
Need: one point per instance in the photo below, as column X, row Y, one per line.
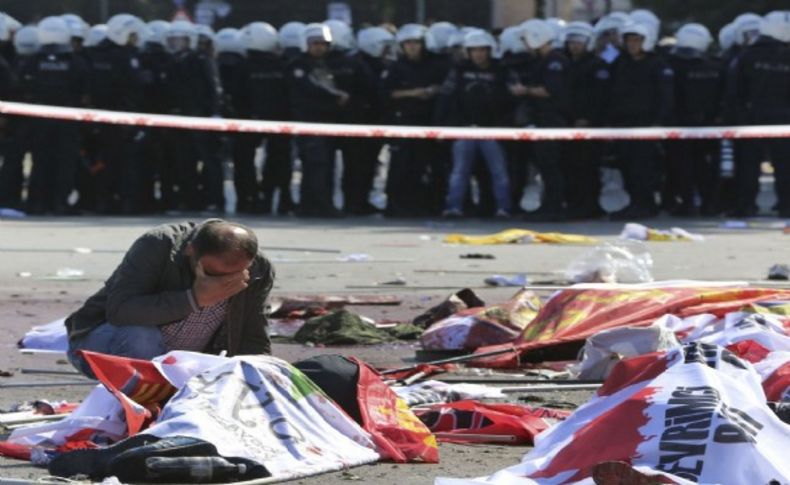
column 618, row 72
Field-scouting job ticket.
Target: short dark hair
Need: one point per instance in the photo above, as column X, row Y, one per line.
column 219, row 237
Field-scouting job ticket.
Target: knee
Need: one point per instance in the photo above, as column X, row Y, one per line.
column 140, row 342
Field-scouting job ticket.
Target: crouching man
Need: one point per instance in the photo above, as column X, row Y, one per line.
column 198, row 287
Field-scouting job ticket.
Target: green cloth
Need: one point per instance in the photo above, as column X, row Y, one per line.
column 345, row 328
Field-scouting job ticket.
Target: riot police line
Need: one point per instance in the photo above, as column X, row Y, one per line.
column 542, row 73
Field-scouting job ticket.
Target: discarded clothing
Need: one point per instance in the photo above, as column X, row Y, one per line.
column 51, row 336
column 456, row 302
column 432, row 392
column 341, row 328
column 519, row 236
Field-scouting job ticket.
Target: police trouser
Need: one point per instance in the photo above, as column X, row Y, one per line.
column 747, row 171
column 360, row 159
column 17, row 142
column 691, row 169
column 277, row 169
column 639, row 160
column 518, row 155
column 194, row 146
column 407, row 180
column 55, row 155
column 317, row 154
column 581, row 176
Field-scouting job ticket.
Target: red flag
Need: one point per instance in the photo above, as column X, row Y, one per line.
column 137, row 384
column 476, row 418
column 397, row 431
column 777, row 385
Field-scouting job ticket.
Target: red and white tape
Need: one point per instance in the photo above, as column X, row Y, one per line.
column 388, row 131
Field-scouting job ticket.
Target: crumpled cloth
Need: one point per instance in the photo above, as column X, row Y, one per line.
column 520, row 236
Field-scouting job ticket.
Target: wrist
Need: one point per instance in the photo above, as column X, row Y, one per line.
column 193, row 301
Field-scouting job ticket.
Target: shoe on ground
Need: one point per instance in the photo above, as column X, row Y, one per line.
column 502, row 214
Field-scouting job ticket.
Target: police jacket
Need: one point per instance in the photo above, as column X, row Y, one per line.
column 589, row 83
column 193, row 85
column 263, row 92
column 154, row 66
column 759, row 83
column 642, row 91
column 353, row 76
column 405, row 74
column 699, row 85
column 313, row 90
column 473, row 96
column 56, row 77
column 115, row 81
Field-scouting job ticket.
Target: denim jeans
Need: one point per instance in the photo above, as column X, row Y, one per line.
column 464, row 155
column 133, row 341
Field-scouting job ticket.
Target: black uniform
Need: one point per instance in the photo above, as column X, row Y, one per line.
column 411, row 174
column 54, row 77
column 262, row 94
column 115, row 84
column 521, row 69
column 360, row 155
column 14, row 138
column 589, row 89
column 759, row 94
column 194, row 90
column 314, row 96
column 642, row 91
column 692, row 164
column 552, row 73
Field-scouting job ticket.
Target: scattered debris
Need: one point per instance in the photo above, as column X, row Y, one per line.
column 355, row 258
column 5, row 373
column 616, row 262
column 83, row 250
column 399, row 281
column 477, row 256
column 639, row 232
column 499, row 280
column 24, row 274
column 456, row 302
column 8, row 213
column 779, row 272
column 345, row 328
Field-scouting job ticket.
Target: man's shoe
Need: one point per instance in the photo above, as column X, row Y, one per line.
column 94, row 462
column 130, row 466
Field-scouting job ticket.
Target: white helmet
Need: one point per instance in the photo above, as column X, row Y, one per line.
column 536, row 33
column 456, row 40
column 229, row 40
column 558, row 25
column 745, row 24
column 579, row 32
column 260, row 36
column 641, row 30
column 727, row 36
column 610, row 23
column 342, row 35
column 53, row 30
column 155, row 31
column 78, row 27
column 8, row 25
column 316, row 32
column 411, row 32
column 121, row 27
column 96, row 35
column 438, row 38
column 291, row 35
column 183, row 28
column 511, row 41
column 480, row 38
column 646, row 17
column 26, row 40
column 374, row 41
column 693, row 36
column 205, row 32
column 776, row 25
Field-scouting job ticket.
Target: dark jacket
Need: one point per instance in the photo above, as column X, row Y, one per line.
column 313, row 90
column 473, row 96
column 263, row 90
column 758, row 84
column 152, row 286
column 405, row 74
column 699, row 83
column 642, row 92
column 55, row 77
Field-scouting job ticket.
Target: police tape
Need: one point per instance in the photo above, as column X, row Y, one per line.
column 388, row 131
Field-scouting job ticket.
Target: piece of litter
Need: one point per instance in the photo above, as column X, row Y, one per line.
column 24, row 274
column 779, row 272
column 355, row 258
column 8, row 213
column 425, row 237
column 499, row 280
column 83, row 250
column 477, row 256
column 69, row 273
column 639, row 232
column 5, row 373
column 400, row 281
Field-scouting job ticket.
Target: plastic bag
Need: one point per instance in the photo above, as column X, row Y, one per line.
column 618, row 262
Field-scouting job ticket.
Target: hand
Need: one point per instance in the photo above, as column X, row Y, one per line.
column 343, row 98
column 210, row 290
column 517, row 89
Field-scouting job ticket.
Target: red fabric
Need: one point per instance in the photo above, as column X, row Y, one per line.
column 749, row 350
column 574, row 315
column 777, row 385
column 429, row 370
column 474, row 417
column 397, row 431
column 15, row 450
column 137, row 384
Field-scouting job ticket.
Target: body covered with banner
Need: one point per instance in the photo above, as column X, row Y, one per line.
column 573, row 315
column 259, row 408
column 696, row 413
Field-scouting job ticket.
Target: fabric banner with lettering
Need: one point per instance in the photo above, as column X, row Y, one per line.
column 573, row 315
column 697, row 413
